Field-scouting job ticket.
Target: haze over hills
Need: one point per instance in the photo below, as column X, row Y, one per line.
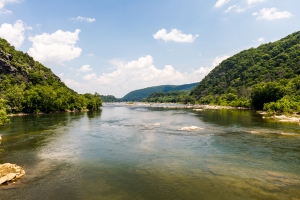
column 140, row 94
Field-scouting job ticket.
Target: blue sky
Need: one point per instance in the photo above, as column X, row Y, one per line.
column 114, row 47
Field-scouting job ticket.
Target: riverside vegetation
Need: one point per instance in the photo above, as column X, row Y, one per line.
column 26, row 86
column 265, row 78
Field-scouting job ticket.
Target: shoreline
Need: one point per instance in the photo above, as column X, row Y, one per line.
column 174, row 105
column 42, row 113
column 282, row 118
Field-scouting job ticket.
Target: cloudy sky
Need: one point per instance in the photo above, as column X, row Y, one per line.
column 114, row 47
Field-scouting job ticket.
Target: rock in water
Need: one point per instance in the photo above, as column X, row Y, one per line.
column 190, row 128
column 11, row 176
column 3, row 179
column 10, row 172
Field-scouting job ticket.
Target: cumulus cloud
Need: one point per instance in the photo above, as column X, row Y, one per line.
column 218, row 60
column 220, row 3
column 80, row 87
column 230, row 8
column 234, row 8
column 251, row 2
column 259, row 40
column 175, row 35
column 271, row 14
column 89, row 77
column 84, row 19
column 85, row 68
column 14, row 34
column 55, row 48
column 141, row 73
column 3, row 3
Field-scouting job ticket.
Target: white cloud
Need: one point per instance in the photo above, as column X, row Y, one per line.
column 55, row 48
column 4, row 11
column 90, row 55
column 86, row 19
column 271, row 14
column 239, row 9
column 218, row 60
column 230, row 8
column 137, row 74
column 14, row 34
column 220, row 3
column 259, row 40
column 251, row 2
column 235, row 8
column 142, row 73
column 85, row 68
column 78, row 87
column 3, row 3
column 89, row 77
column 175, row 35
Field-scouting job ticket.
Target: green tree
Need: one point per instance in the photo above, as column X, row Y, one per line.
column 3, row 116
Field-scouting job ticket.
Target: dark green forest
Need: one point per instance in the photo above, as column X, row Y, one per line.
column 266, row 77
column 26, row 86
column 170, row 97
column 138, row 95
column 109, row 98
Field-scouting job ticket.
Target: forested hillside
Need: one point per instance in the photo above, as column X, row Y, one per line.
column 170, row 97
column 237, row 80
column 138, row 95
column 109, row 98
column 28, row 86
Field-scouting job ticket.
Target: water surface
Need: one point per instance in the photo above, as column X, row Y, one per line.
column 122, row 153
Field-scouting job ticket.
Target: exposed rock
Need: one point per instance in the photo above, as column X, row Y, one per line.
column 198, row 109
column 10, row 172
column 156, row 124
column 3, row 179
column 11, row 176
column 189, row 128
column 6, row 68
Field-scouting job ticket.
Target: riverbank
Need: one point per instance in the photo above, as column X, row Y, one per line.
column 42, row 113
column 173, row 105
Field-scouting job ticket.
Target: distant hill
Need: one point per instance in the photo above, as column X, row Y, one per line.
column 140, row 94
column 250, row 72
column 109, row 98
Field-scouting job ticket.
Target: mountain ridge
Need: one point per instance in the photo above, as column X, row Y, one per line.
column 140, row 94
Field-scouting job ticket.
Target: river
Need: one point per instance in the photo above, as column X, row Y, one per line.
column 124, row 152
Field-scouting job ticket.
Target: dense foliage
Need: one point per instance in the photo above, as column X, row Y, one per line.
column 27, row 86
column 254, row 76
column 3, row 117
column 109, row 98
column 138, row 95
column 170, row 97
column 286, row 96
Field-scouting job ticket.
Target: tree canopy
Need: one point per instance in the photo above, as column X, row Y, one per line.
column 28, row 86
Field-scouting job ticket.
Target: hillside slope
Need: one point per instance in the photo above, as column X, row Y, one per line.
column 28, row 86
column 140, row 94
column 268, row 62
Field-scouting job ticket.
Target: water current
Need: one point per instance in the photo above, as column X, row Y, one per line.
column 124, row 152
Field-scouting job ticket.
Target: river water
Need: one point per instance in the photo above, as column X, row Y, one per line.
column 139, row 153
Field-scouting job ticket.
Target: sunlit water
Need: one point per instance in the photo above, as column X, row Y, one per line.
column 122, row 153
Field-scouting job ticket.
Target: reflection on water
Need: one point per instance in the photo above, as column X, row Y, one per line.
column 138, row 153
